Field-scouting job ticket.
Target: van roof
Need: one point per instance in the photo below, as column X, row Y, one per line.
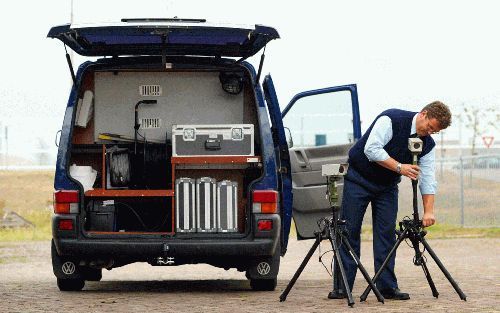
column 164, row 37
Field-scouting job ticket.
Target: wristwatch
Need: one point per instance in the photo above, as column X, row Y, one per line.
column 398, row 168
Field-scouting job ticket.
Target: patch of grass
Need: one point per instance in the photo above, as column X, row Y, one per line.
column 42, row 230
column 14, row 259
column 451, row 231
column 26, row 191
column 443, row 231
column 29, row 194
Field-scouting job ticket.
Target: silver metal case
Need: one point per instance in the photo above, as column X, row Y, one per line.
column 206, row 205
column 227, row 206
column 216, row 140
column 185, row 218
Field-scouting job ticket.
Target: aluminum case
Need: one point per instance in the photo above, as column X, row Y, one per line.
column 213, row 140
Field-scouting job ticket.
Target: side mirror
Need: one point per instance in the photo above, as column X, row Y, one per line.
column 289, row 139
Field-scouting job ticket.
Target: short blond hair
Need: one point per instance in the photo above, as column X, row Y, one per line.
column 440, row 112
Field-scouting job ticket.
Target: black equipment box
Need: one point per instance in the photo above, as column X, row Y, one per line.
column 102, row 216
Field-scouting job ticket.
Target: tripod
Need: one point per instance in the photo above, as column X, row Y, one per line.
column 330, row 228
column 412, row 229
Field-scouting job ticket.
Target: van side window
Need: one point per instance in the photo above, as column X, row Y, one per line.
column 321, row 119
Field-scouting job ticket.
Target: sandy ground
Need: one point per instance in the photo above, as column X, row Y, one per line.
column 28, row 285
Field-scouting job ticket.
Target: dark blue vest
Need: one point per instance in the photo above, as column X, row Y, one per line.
column 397, row 148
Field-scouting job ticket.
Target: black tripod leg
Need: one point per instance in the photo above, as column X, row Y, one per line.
column 362, row 269
column 427, row 274
column 443, row 269
column 299, row 270
column 350, row 300
column 384, row 264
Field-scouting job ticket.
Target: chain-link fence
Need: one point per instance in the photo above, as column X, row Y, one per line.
column 468, row 192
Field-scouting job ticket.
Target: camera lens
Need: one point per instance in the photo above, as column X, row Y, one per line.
column 417, row 146
column 341, row 169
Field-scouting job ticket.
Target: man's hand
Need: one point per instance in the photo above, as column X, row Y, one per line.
column 428, row 219
column 410, row 171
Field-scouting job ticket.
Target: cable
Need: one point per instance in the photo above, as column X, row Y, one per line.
column 135, row 213
column 144, row 226
column 321, row 261
column 119, row 166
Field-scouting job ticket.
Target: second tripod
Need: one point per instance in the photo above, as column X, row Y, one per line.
column 331, row 228
column 412, row 229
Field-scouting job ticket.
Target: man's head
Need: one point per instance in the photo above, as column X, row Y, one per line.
column 433, row 118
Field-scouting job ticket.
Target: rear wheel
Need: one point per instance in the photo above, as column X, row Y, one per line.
column 70, row 284
column 263, row 272
column 263, row 284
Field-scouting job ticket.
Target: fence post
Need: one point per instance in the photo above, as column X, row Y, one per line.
column 462, row 215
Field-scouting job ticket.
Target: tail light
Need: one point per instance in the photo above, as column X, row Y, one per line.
column 265, row 225
column 65, row 225
column 265, row 201
column 66, row 201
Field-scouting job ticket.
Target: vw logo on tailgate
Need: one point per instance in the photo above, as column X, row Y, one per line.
column 68, row 268
column 263, row 268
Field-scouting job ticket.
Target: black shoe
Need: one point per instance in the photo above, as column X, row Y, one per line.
column 337, row 294
column 394, row 294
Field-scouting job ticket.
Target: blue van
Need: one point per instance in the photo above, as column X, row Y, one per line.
column 173, row 152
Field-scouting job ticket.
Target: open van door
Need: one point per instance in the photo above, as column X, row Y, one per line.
column 283, row 159
column 324, row 125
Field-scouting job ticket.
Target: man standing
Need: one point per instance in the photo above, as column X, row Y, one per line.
column 376, row 163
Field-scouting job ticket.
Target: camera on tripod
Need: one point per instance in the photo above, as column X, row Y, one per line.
column 334, row 169
column 333, row 229
column 415, row 145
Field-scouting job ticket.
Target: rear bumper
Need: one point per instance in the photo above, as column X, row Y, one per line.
column 139, row 249
column 257, row 244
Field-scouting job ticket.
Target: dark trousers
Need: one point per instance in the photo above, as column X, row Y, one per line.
column 357, row 193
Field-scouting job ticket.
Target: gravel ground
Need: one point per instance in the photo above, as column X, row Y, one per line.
column 27, row 284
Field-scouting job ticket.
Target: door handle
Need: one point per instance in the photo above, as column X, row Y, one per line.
column 302, row 159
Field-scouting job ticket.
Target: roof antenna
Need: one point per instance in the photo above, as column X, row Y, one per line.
column 260, row 65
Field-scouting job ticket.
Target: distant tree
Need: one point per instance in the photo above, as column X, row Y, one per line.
column 480, row 120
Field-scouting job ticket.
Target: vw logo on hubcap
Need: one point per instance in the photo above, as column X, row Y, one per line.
column 263, row 268
column 68, row 268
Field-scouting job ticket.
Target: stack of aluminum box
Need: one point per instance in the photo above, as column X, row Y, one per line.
column 206, row 206
column 227, row 206
column 185, row 205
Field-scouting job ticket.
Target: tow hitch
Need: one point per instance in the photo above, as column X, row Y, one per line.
column 169, row 260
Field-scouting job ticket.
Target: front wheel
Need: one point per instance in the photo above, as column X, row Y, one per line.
column 263, row 284
column 70, row 284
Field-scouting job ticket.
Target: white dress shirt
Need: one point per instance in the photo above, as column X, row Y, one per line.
column 381, row 134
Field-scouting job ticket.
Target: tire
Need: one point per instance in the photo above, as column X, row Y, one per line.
column 70, row 284
column 263, row 284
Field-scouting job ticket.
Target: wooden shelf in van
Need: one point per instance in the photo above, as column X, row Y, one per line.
column 129, row 193
column 215, row 159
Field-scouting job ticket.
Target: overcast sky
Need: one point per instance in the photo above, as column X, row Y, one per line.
column 399, row 53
